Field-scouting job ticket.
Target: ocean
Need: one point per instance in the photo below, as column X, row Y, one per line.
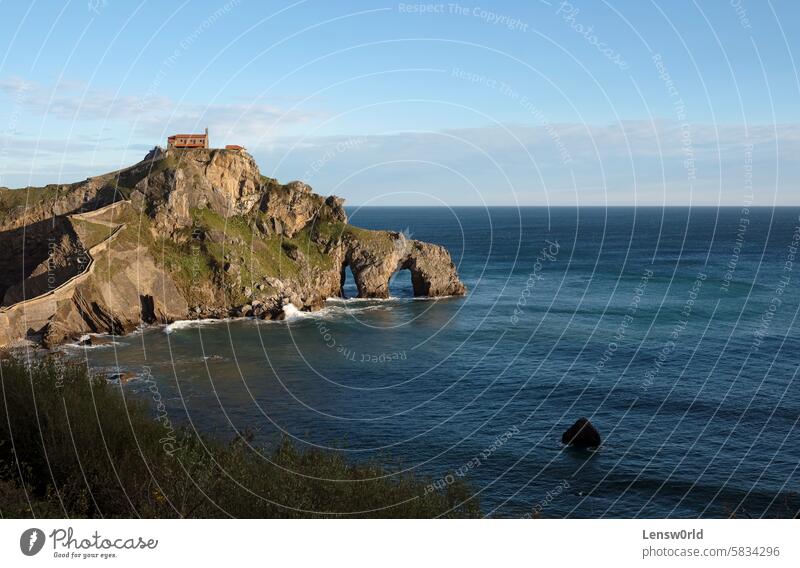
column 672, row 329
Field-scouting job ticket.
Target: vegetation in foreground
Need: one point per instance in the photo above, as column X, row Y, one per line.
column 72, row 445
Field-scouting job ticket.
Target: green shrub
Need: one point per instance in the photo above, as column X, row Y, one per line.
column 78, row 446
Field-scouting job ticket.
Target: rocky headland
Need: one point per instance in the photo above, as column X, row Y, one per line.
column 188, row 234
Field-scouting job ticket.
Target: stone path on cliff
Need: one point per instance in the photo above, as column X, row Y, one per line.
column 33, row 313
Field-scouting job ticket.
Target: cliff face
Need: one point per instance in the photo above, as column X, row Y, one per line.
column 175, row 182
column 188, row 233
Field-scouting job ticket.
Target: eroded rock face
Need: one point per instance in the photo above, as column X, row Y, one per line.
column 40, row 255
column 432, row 271
column 119, row 300
column 374, row 261
column 176, row 181
column 293, row 206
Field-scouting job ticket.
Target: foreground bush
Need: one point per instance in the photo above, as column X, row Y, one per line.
column 74, row 446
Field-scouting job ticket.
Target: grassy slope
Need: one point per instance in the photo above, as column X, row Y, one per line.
column 334, row 230
column 14, row 200
column 90, row 233
column 200, row 253
column 120, row 183
column 83, row 450
column 235, row 240
column 28, row 196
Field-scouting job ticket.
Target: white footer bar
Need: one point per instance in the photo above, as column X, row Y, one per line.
column 389, row 543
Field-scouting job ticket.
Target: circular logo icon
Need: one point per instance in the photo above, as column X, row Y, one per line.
column 31, row 541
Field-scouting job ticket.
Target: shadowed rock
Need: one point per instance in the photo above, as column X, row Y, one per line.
column 582, row 434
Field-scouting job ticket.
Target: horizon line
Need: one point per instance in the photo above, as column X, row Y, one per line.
column 594, row 206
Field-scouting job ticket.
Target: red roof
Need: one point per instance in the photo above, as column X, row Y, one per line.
column 188, row 135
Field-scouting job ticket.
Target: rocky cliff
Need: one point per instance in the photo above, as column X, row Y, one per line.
column 188, row 233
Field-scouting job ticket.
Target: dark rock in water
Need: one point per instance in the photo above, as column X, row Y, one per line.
column 95, row 340
column 121, row 377
column 582, row 434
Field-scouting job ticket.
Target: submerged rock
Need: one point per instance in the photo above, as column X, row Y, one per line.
column 121, row 377
column 582, row 434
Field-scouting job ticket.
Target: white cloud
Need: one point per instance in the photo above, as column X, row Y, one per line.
column 631, row 162
column 151, row 116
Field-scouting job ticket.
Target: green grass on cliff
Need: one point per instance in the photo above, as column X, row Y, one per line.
column 14, row 201
column 11, row 200
column 73, row 446
column 311, row 249
column 184, row 258
column 232, row 241
column 335, row 230
column 235, row 240
column 90, row 233
column 27, row 196
column 129, row 177
column 199, row 254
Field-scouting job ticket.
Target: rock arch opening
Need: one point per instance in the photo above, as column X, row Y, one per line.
column 401, row 284
column 348, row 287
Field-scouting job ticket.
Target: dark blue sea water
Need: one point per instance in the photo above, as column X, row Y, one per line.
column 673, row 330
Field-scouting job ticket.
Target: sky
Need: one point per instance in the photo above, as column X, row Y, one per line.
column 635, row 102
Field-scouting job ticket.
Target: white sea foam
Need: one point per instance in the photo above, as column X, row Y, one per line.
column 188, row 324
column 80, row 343
column 389, row 300
column 290, row 311
column 337, row 300
column 334, row 308
column 340, row 309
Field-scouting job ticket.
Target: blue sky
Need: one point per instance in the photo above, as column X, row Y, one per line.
column 531, row 103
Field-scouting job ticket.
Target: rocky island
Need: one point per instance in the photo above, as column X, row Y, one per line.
column 188, row 233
